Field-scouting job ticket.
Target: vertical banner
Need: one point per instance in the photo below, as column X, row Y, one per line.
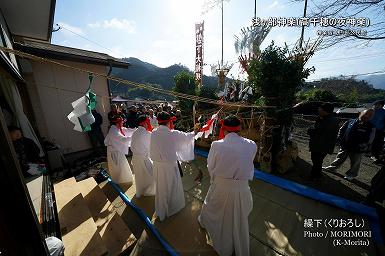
column 199, row 27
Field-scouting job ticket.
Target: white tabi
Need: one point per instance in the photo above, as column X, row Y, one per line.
column 117, row 147
column 229, row 202
column 141, row 162
column 166, row 148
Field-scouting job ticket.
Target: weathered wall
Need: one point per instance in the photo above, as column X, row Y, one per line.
column 52, row 88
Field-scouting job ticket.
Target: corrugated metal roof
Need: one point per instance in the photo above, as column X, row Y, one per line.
column 44, row 49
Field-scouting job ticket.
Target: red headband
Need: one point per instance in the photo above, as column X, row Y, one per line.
column 148, row 122
column 227, row 128
column 171, row 120
column 119, row 123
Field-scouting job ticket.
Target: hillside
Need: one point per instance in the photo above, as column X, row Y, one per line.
column 143, row 72
column 358, row 90
column 377, row 80
column 365, row 89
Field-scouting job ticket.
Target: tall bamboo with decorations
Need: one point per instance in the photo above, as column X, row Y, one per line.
column 277, row 74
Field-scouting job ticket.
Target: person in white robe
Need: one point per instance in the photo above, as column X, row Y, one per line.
column 118, row 141
column 167, row 146
column 153, row 119
column 229, row 202
column 141, row 162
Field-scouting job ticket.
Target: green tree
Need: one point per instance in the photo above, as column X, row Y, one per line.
column 352, row 97
column 185, row 83
column 207, row 92
column 319, row 95
column 277, row 75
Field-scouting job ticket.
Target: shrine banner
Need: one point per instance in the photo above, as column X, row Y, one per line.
column 199, row 27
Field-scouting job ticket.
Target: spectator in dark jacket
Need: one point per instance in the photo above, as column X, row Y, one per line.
column 132, row 117
column 377, row 188
column 114, row 114
column 96, row 133
column 322, row 138
column 355, row 138
column 178, row 124
column 26, row 149
column 378, row 121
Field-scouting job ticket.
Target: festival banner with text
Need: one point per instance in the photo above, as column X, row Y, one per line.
column 199, row 27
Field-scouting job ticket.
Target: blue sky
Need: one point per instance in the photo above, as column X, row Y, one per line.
column 162, row 32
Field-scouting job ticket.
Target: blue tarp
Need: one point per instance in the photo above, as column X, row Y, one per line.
column 336, row 201
column 142, row 215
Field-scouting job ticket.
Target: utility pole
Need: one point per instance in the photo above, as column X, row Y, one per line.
column 221, row 70
column 303, row 26
column 222, row 38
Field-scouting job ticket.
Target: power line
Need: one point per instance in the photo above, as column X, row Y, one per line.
column 89, row 40
column 351, row 57
column 148, row 86
column 153, row 87
column 364, row 56
column 354, row 75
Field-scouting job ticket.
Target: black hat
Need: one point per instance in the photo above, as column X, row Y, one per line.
column 327, row 107
column 232, row 121
column 13, row 128
column 163, row 117
column 141, row 118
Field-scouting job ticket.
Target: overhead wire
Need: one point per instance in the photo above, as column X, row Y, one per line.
column 148, row 86
column 152, row 87
column 364, row 56
column 87, row 39
column 353, row 75
column 233, row 61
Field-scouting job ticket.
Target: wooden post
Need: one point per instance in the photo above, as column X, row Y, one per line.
column 194, row 112
column 269, row 143
column 303, row 26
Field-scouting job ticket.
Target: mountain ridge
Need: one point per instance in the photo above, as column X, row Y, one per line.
column 144, row 72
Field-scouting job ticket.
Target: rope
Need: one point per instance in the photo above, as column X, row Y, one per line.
column 31, row 84
column 127, row 82
column 144, row 86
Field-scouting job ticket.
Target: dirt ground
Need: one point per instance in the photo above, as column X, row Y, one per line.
column 334, row 182
column 331, row 182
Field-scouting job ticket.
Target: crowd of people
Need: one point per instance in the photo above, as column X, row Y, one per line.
column 356, row 137
column 151, row 135
column 131, row 113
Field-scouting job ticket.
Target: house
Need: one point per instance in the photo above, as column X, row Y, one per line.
column 52, row 88
column 36, row 97
column 46, row 89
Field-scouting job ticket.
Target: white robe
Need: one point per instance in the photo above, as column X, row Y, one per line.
column 55, row 246
column 154, row 121
column 117, row 147
column 141, row 162
column 229, row 202
column 166, row 148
